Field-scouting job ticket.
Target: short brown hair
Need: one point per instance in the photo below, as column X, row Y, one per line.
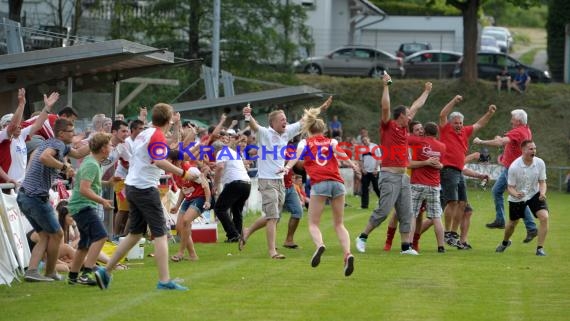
column 161, row 114
column 98, row 141
column 61, row 125
column 526, row 142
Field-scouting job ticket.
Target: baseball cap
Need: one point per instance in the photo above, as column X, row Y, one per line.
column 5, row 120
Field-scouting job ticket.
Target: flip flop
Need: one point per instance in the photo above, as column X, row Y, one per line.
column 176, row 258
column 278, row 256
column 292, row 246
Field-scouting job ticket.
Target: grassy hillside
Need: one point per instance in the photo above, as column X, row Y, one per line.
column 548, row 106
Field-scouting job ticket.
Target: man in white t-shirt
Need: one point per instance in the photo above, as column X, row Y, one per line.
column 272, row 141
column 527, row 187
column 370, row 166
column 145, row 208
column 124, row 152
column 232, row 175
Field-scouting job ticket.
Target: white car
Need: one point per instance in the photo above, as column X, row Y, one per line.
column 501, row 39
column 501, row 29
column 489, row 44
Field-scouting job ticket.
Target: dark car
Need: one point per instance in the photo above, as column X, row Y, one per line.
column 490, row 64
column 409, row 48
column 352, row 61
column 431, row 64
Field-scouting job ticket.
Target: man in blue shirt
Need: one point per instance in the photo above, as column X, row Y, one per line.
column 521, row 80
column 335, row 126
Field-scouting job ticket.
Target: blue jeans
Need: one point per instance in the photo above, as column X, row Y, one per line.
column 292, row 203
column 498, row 191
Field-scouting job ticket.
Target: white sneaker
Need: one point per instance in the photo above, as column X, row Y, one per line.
column 409, row 251
column 360, row 245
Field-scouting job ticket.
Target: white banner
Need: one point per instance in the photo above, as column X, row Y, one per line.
column 14, row 228
column 8, row 263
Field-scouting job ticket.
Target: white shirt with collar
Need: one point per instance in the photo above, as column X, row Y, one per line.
column 525, row 178
column 268, row 140
column 370, row 159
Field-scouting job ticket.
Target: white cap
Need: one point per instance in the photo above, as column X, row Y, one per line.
column 5, row 120
column 195, row 171
column 231, row 132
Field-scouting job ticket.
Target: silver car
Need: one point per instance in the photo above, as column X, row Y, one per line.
column 352, row 61
column 431, row 64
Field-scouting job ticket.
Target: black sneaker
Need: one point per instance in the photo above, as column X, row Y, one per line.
column 440, row 250
column 495, row 224
column 72, row 281
column 232, row 240
column 464, row 246
column 348, row 265
column 87, row 279
column 447, row 237
column 501, row 248
column 316, row 259
column 530, row 235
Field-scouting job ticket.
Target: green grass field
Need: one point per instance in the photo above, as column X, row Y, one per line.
column 228, row 285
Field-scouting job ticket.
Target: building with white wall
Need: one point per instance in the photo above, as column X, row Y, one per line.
column 329, row 22
column 445, row 33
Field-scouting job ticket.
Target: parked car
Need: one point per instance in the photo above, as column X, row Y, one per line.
column 502, row 29
column 500, row 37
column 431, row 64
column 407, row 49
column 489, row 44
column 352, row 61
column 490, row 64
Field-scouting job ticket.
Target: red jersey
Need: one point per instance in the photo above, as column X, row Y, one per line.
column 191, row 189
column 456, row 143
column 513, row 148
column 288, row 179
column 394, row 144
column 320, row 161
column 427, row 147
column 47, row 129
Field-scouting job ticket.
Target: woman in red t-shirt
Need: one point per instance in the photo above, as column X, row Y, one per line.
column 194, row 198
column 321, row 164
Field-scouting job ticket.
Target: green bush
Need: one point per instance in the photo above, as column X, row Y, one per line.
column 400, row 8
column 507, row 14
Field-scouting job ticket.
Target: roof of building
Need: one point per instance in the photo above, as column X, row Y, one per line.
column 111, row 60
column 274, row 96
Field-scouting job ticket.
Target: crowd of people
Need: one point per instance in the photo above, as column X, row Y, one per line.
column 123, row 170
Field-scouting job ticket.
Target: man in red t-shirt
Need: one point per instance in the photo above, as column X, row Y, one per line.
column 394, row 184
column 455, row 136
column 511, row 141
column 425, row 178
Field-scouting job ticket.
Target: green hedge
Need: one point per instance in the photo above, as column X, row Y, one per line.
column 399, row 8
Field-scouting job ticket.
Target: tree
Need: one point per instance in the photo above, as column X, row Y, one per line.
column 470, row 11
column 251, row 31
column 558, row 13
column 15, row 9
